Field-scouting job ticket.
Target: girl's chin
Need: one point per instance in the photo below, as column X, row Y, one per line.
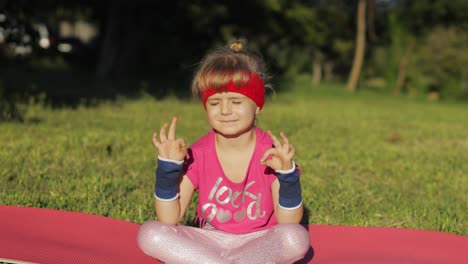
column 228, row 133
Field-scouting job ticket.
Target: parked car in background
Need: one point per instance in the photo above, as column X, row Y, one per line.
column 21, row 39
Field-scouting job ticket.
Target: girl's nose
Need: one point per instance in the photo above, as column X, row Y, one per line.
column 225, row 108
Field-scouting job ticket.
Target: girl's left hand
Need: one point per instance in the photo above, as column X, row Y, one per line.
column 280, row 157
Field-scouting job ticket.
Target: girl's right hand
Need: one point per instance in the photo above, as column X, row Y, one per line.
column 169, row 147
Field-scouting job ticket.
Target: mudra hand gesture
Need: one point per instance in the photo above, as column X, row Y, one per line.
column 169, row 147
column 280, row 157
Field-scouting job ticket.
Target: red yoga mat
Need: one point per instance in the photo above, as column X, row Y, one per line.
column 52, row 236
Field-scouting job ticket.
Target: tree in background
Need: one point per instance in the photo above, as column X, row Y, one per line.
column 447, row 49
column 400, row 51
column 359, row 48
column 160, row 43
column 411, row 59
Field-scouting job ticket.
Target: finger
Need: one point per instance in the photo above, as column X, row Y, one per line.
column 266, row 154
column 292, row 151
column 284, row 138
column 285, row 146
column 180, row 143
column 275, row 140
column 162, row 133
column 155, row 139
column 172, row 129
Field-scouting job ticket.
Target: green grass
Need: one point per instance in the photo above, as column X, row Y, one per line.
column 367, row 160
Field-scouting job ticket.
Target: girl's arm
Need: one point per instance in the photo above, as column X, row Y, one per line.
column 286, row 189
column 172, row 196
column 285, row 216
column 172, row 212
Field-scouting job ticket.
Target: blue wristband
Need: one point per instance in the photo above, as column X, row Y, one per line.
column 167, row 179
column 290, row 189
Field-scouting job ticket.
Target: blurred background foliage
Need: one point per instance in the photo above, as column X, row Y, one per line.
column 78, row 52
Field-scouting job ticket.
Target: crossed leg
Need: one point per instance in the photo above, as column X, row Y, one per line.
column 177, row 244
column 283, row 243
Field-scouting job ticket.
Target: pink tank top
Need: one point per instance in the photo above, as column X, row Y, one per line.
column 228, row 206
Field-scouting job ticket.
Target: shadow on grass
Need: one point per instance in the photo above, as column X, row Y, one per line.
column 21, row 84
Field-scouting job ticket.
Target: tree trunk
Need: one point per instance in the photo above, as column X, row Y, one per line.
column 328, row 71
column 371, row 10
column 317, row 72
column 402, row 70
column 360, row 47
column 109, row 49
column 123, row 44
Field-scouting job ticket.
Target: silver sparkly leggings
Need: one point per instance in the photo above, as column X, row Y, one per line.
column 283, row 243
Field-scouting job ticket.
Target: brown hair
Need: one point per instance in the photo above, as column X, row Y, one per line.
column 222, row 65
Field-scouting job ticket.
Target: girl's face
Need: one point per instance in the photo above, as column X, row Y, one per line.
column 231, row 114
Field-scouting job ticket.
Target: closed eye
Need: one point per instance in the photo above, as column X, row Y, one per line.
column 213, row 103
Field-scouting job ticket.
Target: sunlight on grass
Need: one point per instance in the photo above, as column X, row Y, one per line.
column 367, row 161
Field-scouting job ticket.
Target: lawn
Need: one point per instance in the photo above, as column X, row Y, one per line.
column 367, row 160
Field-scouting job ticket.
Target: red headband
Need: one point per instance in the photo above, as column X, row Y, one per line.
column 254, row 90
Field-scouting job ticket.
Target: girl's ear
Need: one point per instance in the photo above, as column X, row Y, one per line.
column 257, row 111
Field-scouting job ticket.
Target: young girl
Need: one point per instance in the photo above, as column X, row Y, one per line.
column 249, row 189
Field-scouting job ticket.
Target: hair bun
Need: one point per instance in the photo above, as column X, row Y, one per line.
column 237, row 45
